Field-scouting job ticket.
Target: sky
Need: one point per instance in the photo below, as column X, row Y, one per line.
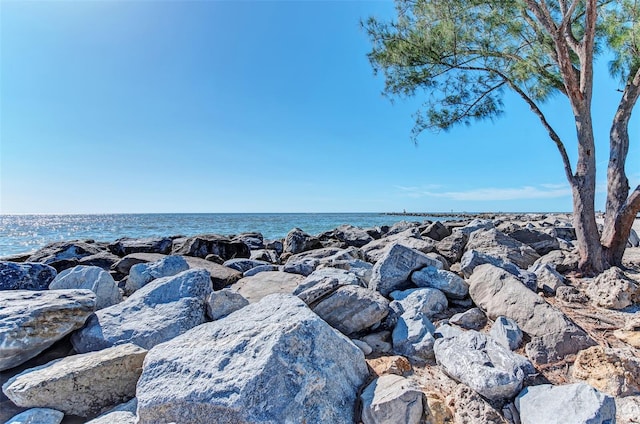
column 251, row 106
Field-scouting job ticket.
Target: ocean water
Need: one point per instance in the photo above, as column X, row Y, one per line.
column 24, row 233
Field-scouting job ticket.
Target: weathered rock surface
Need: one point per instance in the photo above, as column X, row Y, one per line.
column 31, row 321
column 105, row 260
column 91, row 278
column 445, row 281
column 349, row 235
column 324, row 281
column 221, row 276
column 425, row 301
column 570, row 404
column 379, row 342
column 37, row 416
column 472, row 259
column 470, row 408
column 472, row 319
column 483, row 364
column 612, row 371
column 506, row 332
column 540, row 242
column 123, row 266
column 212, row 244
column 494, row 243
column 297, row 241
column 553, row 335
column 547, row 278
column 227, row 371
column 158, row 312
column 256, row 287
column 223, row 302
column 563, row 261
column 392, row 399
column 410, row 238
column 413, row 337
column 397, row 365
column 125, row 246
column 613, row 289
column 244, row 264
column 63, row 255
column 628, row 410
column 143, row 273
column 452, row 247
column 25, row 276
column 82, row 385
column 351, row 309
column 122, row 414
column 306, row 262
column 436, row 231
column 393, row 270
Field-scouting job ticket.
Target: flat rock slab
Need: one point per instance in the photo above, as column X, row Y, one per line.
column 82, row 385
column 553, row 334
column 258, row 286
column 158, row 312
column 569, row 404
column 483, row 364
column 274, row 361
column 31, row 321
column 25, row 276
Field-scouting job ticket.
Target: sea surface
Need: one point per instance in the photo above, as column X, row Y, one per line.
column 24, row 233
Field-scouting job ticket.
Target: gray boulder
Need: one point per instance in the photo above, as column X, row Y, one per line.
column 506, row 332
column 227, row 371
column 221, row 276
column 393, row 270
column 25, row 276
column 297, row 241
column 349, row 235
column 261, row 268
column 63, row 255
column 392, row 399
column 426, row 301
column 124, row 413
column 613, row 289
column 91, row 278
column 256, row 287
column 547, row 278
column 452, row 247
column 351, row 309
column 244, row 264
column 123, row 266
column 105, row 260
column 540, row 241
column 158, row 312
column 568, row 404
column 223, row 302
column 212, row 244
column 31, row 321
column 472, row 259
column 445, row 281
column 634, row 240
column 266, row 255
column 125, row 246
column 483, row 364
column 413, row 337
column 494, row 243
column 471, row 408
column 324, row 281
column 563, row 261
column 436, row 231
column 305, row 263
column 472, row 319
column 37, row 416
column 143, row 273
column 410, row 238
column 82, row 385
column 553, row 334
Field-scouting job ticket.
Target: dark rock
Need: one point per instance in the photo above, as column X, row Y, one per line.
column 63, row 255
column 206, row 244
column 297, row 241
column 349, row 235
column 221, row 276
column 452, row 247
column 541, row 242
column 25, row 276
column 436, row 231
column 104, row 260
column 125, row 246
column 123, row 266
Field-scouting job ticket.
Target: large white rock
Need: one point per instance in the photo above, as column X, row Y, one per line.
column 494, row 243
column 31, row 321
column 142, row 273
column 222, row 302
column 613, row 289
column 91, row 278
column 392, row 271
column 483, row 364
column 158, row 312
column 569, row 404
column 274, row 361
column 82, row 385
column 445, row 281
column 265, row 283
column 392, row 399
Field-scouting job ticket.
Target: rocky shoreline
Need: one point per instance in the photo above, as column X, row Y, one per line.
column 478, row 320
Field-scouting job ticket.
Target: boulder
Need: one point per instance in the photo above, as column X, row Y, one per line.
column 413, row 337
column 351, row 309
column 568, row 404
column 324, row 281
column 410, row 238
column 393, row 270
column 426, row 301
column 483, row 364
column 363, row 346
column 252, row 239
column 472, row 259
column 470, row 408
column 494, row 243
column 244, row 264
column 37, row 416
column 261, row 268
column 472, row 319
column 547, row 278
column 91, row 278
column 63, row 255
column 506, row 332
column 265, row 283
column 31, row 321
column 82, row 385
column 158, row 312
column 25, row 276
column 613, row 289
column 142, row 273
column 297, row 241
column 223, row 302
column 105, row 260
column 392, row 398
column 445, row 281
column 227, row 371
column 402, row 226
column 452, row 247
column 379, row 342
column 221, row 276
column 349, row 235
column 563, row 261
column 553, row 334
column 212, row 244
column 125, row 246
column 612, row 371
column 123, row 266
column 436, row 231
column 541, row 242
column 124, row 413
column 305, row 263
column 266, row 255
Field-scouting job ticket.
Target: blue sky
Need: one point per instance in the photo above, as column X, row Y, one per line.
column 208, row 106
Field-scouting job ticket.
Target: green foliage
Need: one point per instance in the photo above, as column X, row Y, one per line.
column 462, row 54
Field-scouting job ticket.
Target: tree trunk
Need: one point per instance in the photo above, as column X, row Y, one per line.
column 614, row 238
